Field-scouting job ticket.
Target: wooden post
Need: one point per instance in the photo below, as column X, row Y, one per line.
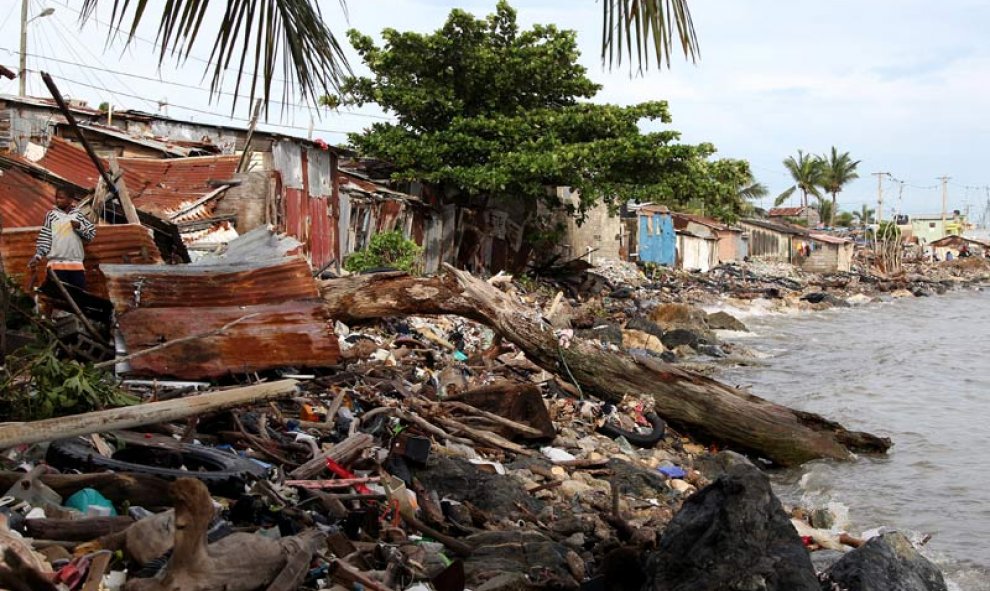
column 150, row 413
column 130, row 212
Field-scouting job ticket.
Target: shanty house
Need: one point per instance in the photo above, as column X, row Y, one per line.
column 732, row 243
column 826, row 254
column 954, row 244
column 771, row 240
column 696, row 252
column 657, row 241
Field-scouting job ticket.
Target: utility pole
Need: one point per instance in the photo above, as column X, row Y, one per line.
column 880, row 176
column 22, row 72
column 945, row 200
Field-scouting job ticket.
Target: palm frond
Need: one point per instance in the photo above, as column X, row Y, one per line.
column 652, row 26
column 257, row 36
column 784, row 196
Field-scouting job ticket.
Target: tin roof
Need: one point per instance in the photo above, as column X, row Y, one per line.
column 787, row 212
column 282, row 320
column 775, row 226
column 162, row 187
column 681, row 221
column 828, row 238
column 124, row 243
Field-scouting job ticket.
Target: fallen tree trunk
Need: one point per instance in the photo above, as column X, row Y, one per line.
column 705, row 408
column 127, row 417
column 76, row 530
column 138, row 489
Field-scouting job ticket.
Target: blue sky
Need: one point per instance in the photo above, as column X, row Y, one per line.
column 902, row 85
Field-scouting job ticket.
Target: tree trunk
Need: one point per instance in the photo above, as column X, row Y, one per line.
column 705, row 408
column 76, row 530
column 137, row 489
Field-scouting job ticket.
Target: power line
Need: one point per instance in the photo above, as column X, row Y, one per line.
column 212, row 113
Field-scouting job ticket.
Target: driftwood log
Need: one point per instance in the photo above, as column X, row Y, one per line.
column 238, row 562
column 695, row 404
column 137, row 489
column 114, row 419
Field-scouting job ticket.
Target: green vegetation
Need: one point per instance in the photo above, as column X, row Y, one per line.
column 837, row 170
column 38, row 385
column 484, row 108
column 805, row 170
column 388, row 250
column 815, row 175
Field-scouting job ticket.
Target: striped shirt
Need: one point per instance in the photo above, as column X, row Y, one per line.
column 59, row 241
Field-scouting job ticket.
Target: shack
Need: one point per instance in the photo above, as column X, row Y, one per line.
column 657, row 241
column 825, row 253
column 772, row 241
column 804, row 213
column 732, row 243
column 696, row 252
column 955, row 244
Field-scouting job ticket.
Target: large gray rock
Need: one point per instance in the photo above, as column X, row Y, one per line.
column 683, row 316
column 725, row 321
column 733, row 535
column 886, row 563
column 461, row 480
column 521, row 560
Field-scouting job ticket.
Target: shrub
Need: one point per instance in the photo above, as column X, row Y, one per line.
column 387, row 250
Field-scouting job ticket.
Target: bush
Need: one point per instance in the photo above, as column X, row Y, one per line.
column 387, row 250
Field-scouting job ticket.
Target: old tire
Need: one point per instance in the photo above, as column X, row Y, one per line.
column 638, row 439
column 220, row 471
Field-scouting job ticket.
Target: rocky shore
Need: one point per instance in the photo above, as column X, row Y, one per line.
column 438, row 456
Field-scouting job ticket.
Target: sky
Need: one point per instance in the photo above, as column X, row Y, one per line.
column 902, row 85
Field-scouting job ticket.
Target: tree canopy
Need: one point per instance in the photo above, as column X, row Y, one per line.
column 484, row 108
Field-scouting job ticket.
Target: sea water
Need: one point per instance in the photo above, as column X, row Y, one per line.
column 916, row 370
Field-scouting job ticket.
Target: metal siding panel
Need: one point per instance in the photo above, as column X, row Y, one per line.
column 287, row 160
column 322, row 234
column 320, row 173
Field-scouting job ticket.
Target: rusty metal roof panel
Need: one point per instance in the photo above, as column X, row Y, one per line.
column 125, row 243
column 787, row 212
column 209, row 286
column 297, row 333
column 24, row 200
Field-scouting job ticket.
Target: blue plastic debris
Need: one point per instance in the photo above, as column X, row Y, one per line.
column 672, row 471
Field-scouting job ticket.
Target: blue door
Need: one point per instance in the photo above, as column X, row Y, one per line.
column 657, row 241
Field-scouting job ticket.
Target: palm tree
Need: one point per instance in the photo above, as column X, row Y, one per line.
column 837, row 170
column 826, row 209
column 260, row 37
column 805, row 170
column 865, row 215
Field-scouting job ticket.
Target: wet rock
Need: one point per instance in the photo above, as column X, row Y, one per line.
column 683, row 316
column 461, row 480
column 636, row 339
column 886, row 562
column 823, row 559
column 521, row 560
column 644, row 325
column 711, row 350
column 725, row 321
column 606, row 333
column 732, row 535
column 921, row 292
column 821, row 297
column 682, row 337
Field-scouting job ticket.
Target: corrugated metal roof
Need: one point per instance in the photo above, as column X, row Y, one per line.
column 124, row 243
column 24, row 200
column 828, row 238
column 681, row 221
column 775, row 226
column 288, row 324
column 161, row 187
column 787, row 212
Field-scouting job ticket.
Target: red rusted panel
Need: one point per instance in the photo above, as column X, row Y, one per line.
column 124, row 243
column 297, row 334
column 322, row 234
column 296, row 214
column 206, row 286
column 24, row 200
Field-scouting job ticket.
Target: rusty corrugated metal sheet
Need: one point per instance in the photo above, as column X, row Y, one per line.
column 161, row 187
column 296, row 334
column 124, row 243
column 323, row 234
column 289, row 327
column 203, row 286
column 24, row 200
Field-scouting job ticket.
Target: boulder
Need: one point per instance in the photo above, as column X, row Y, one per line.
column 683, row 316
column 733, row 535
column 821, row 297
column 888, row 561
column 682, row 336
column 725, row 321
column 637, row 339
column 461, row 480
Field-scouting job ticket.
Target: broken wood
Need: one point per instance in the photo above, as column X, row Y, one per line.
column 137, row 489
column 76, row 530
column 150, row 413
column 690, row 402
column 518, row 427
column 343, row 453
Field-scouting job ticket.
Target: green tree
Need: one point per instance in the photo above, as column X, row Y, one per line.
column 837, row 170
column 482, row 107
column 258, row 38
column 864, row 216
column 845, row 219
column 805, row 170
column 825, row 209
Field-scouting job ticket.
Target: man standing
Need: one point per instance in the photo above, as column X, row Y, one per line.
column 61, row 240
